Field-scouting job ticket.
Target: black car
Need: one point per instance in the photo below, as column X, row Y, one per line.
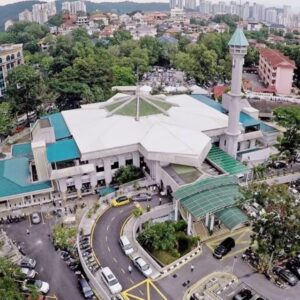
column 244, row 294
column 85, row 289
column 224, row 247
column 294, row 267
column 278, row 165
column 286, row 275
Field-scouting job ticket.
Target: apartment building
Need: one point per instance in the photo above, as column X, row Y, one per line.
column 11, row 55
column 276, row 71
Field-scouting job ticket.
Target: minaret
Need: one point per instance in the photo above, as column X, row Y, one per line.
column 238, row 49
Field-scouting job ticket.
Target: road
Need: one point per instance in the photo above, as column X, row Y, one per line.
column 50, row 266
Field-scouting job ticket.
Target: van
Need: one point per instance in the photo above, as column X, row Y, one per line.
column 110, row 280
column 125, row 245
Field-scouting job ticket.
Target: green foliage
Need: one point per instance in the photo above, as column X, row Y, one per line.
column 5, row 118
column 289, row 117
column 64, row 237
column 123, row 76
column 278, row 227
column 138, row 211
column 180, row 226
column 228, row 19
column 56, row 20
column 127, row 173
column 252, row 57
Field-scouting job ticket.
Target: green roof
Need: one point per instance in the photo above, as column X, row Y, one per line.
column 62, row 150
column 238, row 39
column 225, row 162
column 22, row 150
column 232, row 217
column 58, row 123
column 15, row 178
column 209, row 195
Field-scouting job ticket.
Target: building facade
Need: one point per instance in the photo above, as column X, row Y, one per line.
column 74, row 7
column 276, row 71
column 11, row 55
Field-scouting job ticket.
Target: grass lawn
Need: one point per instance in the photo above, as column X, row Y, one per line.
column 164, row 257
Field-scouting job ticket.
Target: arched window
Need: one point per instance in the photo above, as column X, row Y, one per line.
column 19, row 54
column 12, row 56
column 7, row 58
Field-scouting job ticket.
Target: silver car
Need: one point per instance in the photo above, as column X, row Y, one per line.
column 35, row 218
column 141, row 197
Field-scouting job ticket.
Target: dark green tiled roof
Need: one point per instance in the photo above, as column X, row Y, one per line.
column 62, row 151
column 209, row 195
column 232, row 217
column 225, row 162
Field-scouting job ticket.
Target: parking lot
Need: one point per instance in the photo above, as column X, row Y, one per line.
column 50, row 267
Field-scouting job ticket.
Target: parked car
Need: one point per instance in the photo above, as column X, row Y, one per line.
column 111, row 281
column 28, row 263
column 286, row 275
column 85, row 288
column 294, row 267
column 244, row 294
column 28, row 273
column 125, row 245
column 122, row 200
column 35, row 218
column 42, row 286
column 224, row 247
column 277, row 164
column 141, row 197
column 142, row 266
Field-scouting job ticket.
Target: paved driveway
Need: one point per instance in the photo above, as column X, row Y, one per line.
column 50, row 266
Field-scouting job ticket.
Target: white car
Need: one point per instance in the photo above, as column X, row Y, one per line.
column 125, row 245
column 142, row 266
column 41, row 286
column 35, row 218
column 29, row 273
column 111, row 281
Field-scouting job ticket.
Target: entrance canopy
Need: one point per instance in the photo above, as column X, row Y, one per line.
column 209, row 195
column 232, row 217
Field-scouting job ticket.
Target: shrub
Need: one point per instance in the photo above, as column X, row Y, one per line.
column 128, row 173
column 180, row 226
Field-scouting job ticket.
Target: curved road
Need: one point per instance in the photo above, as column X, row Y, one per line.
column 107, row 249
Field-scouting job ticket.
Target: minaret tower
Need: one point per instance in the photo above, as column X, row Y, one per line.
column 238, row 49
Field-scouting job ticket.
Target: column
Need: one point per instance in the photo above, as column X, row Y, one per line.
column 189, row 229
column 78, row 185
column 212, row 222
column 176, row 209
column 107, row 171
column 121, row 159
column 63, row 188
column 136, row 159
column 93, row 181
column 207, row 220
column 252, row 143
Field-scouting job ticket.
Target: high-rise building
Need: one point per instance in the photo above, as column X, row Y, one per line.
column 271, row 15
column 11, row 55
column 190, row 4
column 232, row 8
column 205, row 7
column 245, row 11
column 25, row 15
column 258, row 12
column 74, row 7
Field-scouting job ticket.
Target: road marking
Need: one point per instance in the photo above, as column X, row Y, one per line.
column 113, row 218
column 106, row 238
column 141, row 293
column 121, row 210
column 108, row 248
column 122, row 270
column 131, row 281
column 107, row 228
column 115, row 260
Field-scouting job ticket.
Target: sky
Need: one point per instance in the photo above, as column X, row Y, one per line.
column 278, row 3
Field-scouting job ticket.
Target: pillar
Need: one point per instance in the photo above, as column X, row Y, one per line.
column 207, row 220
column 122, row 161
column 252, row 143
column 176, row 209
column 136, row 159
column 93, row 181
column 189, row 228
column 212, row 222
column 107, row 171
column 63, row 188
column 78, row 185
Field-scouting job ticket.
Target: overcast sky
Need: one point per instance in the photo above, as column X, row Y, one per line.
column 279, row 3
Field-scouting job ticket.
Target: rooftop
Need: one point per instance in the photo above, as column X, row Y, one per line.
column 57, row 121
column 62, row 150
column 22, row 150
column 238, row 39
column 209, row 195
column 15, row 178
column 276, row 58
column 232, row 217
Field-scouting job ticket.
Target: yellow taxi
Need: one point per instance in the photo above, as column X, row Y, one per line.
column 122, row 200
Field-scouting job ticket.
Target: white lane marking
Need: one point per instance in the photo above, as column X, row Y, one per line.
column 115, row 260
column 123, row 270
column 107, row 228
column 131, row 281
column 106, row 238
column 108, row 248
column 113, row 218
column 141, row 293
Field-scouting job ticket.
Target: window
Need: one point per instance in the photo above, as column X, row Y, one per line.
column 129, row 162
column 99, row 169
column 115, row 165
column 12, row 56
column 7, row 58
column 19, row 54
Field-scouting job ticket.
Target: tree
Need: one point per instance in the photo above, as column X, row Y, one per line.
column 56, row 20
column 127, row 173
column 5, row 119
column 289, row 117
column 23, row 91
column 123, row 76
column 252, row 57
